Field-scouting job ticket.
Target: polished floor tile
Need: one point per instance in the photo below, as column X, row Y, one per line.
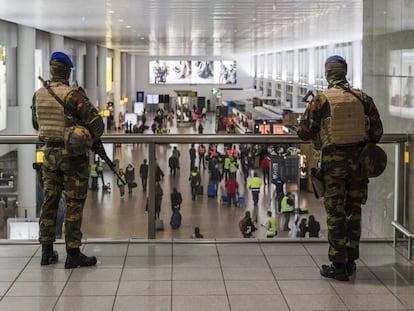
column 177, row 276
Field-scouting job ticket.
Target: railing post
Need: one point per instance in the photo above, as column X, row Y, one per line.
column 152, row 164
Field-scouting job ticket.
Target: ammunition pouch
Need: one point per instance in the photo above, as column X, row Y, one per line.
column 78, row 140
column 318, row 184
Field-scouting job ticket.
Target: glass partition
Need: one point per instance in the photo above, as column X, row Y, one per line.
column 107, row 215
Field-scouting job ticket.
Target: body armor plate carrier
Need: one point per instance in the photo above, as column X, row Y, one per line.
column 347, row 124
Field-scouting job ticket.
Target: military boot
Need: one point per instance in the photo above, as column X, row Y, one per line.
column 335, row 271
column 49, row 256
column 350, row 267
column 77, row 259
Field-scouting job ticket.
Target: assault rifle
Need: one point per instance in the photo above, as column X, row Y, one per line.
column 99, row 149
column 307, row 95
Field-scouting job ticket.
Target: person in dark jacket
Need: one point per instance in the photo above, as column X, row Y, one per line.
column 158, row 199
column 313, row 227
column 130, row 177
column 173, row 164
column 143, row 173
column 193, row 154
column 159, row 174
column 176, row 199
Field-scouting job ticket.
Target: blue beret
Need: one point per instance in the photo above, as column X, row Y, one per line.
column 335, row 59
column 61, row 57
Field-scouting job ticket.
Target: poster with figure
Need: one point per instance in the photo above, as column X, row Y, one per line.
column 226, row 72
column 203, row 71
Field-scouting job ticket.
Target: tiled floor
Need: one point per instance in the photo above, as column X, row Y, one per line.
column 206, row 276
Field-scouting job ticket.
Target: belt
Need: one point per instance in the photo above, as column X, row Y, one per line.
column 55, row 144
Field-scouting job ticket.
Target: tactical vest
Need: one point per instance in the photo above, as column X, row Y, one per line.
column 50, row 114
column 347, row 123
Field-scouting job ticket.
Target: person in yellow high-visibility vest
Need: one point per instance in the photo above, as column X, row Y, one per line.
column 286, row 209
column 270, row 225
column 255, row 183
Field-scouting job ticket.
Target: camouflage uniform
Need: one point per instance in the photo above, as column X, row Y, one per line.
column 345, row 189
column 61, row 171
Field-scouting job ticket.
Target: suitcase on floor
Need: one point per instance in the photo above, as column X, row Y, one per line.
column 211, row 190
column 224, row 199
column 242, row 201
column 175, row 221
column 200, row 190
column 159, row 225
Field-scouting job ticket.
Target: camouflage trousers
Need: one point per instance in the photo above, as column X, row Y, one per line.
column 345, row 192
column 71, row 174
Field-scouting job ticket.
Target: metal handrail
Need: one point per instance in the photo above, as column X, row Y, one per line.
column 407, row 233
column 152, row 140
column 193, row 138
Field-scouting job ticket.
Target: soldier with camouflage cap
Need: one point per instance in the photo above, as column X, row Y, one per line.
column 63, row 169
column 340, row 122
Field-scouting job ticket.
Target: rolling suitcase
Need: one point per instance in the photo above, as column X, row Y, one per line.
column 175, row 221
column 159, row 225
column 224, row 199
column 211, row 190
column 200, row 189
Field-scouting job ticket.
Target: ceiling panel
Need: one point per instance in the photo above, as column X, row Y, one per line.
column 192, row 27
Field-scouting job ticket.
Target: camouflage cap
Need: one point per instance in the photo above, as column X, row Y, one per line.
column 372, row 160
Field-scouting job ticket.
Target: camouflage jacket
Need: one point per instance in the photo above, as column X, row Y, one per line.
column 319, row 108
column 84, row 111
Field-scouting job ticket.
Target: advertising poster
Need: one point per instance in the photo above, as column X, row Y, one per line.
column 192, row 72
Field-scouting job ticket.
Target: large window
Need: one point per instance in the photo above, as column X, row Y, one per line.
column 401, row 83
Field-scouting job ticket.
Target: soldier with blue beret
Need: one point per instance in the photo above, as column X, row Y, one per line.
column 341, row 122
column 64, row 169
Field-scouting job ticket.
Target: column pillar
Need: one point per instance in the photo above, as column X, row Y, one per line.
column 57, row 43
column 102, row 77
column 26, row 175
column 91, row 73
column 117, row 85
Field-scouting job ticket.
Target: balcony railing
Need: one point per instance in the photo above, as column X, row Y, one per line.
column 397, row 140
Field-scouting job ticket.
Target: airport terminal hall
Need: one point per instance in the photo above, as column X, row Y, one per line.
column 206, row 155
